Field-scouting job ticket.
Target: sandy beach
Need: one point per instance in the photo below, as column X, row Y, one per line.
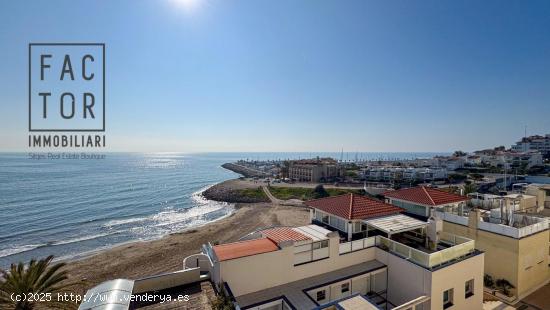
column 140, row 259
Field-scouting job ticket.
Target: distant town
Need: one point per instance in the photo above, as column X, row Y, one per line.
column 489, row 170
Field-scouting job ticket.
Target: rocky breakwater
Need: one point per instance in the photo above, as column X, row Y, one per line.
column 233, row 191
column 244, row 171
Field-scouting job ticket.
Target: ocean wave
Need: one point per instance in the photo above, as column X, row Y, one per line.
column 124, row 221
column 172, row 220
column 20, row 249
column 30, row 247
column 85, row 238
column 169, row 220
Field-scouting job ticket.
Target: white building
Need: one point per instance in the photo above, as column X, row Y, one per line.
column 315, row 267
column 421, row 200
column 511, row 160
column 392, row 174
column 534, row 143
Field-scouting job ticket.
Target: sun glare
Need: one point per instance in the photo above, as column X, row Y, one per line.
column 188, row 5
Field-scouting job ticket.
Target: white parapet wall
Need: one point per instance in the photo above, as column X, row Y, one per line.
column 167, row 280
column 356, row 245
column 453, row 218
column 462, row 247
column 535, row 224
column 198, row 260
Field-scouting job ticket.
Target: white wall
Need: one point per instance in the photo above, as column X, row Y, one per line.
column 167, row 280
column 373, row 281
column 406, row 280
column 254, row 273
column 455, row 278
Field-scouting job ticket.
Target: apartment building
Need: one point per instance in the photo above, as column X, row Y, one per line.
column 401, row 263
column 314, row 170
column 516, row 202
column 516, row 246
column 420, row 200
column 318, row 267
column 534, row 143
column 524, row 159
column 541, row 192
column 393, row 174
column 453, row 163
column 512, row 160
column 473, row 160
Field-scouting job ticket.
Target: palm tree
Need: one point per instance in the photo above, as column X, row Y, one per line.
column 38, row 277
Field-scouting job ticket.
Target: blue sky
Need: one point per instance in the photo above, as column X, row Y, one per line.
column 297, row 75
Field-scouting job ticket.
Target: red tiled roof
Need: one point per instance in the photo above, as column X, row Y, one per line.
column 352, row 206
column 425, row 195
column 244, row 248
column 281, row 234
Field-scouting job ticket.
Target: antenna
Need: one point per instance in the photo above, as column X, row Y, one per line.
column 525, row 139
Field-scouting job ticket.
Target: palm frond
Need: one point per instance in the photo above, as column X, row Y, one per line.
column 38, row 276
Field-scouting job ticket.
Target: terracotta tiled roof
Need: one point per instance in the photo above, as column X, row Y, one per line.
column 352, row 206
column 244, row 248
column 281, row 234
column 425, row 195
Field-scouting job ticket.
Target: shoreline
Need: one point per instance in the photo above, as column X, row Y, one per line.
column 90, row 253
column 142, row 258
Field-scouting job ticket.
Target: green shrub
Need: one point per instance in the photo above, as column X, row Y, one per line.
column 488, row 281
column 505, row 286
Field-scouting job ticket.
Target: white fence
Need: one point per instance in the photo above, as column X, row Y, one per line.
column 356, row 245
column 428, row 260
column 311, row 252
column 532, row 225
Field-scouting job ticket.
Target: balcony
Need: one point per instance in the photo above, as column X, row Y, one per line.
column 450, row 248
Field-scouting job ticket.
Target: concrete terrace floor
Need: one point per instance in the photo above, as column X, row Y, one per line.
column 539, row 299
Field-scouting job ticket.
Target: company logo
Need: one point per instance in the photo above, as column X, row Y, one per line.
column 67, row 95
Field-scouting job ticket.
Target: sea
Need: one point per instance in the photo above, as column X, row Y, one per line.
column 73, row 208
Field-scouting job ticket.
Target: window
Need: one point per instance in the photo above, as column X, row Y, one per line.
column 324, row 219
column 320, row 244
column 345, row 288
column 447, row 298
column 321, row 295
column 469, row 288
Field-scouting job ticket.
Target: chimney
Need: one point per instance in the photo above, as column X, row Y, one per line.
column 434, row 227
column 473, row 219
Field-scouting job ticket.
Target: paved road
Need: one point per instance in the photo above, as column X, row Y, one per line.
column 253, row 183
